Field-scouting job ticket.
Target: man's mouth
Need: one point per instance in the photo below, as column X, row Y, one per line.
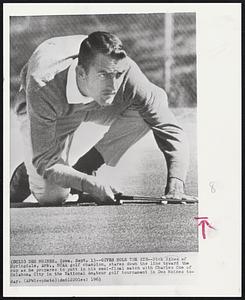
column 108, row 97
column 109, row 94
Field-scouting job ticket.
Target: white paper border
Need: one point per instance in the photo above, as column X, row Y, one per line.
column 219, row 146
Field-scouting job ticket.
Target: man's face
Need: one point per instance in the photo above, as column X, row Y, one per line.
column 104, row 78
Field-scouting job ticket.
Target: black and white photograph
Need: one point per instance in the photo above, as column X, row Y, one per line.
column 141, row 94
column 103, row 147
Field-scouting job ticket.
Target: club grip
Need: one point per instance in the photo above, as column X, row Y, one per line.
column 120, row 196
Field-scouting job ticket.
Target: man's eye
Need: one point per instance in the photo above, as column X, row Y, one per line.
column 119, row 74
column 102, row 75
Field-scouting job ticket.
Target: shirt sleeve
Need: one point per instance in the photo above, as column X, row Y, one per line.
column 152, row 104
column 46, row 147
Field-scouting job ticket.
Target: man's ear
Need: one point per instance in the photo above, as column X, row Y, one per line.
column 80, row 71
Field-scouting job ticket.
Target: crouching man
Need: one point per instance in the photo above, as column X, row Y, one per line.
column 74, row 79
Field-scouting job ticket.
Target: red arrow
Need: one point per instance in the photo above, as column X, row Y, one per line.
column 203, row 223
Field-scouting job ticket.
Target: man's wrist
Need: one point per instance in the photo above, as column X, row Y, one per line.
column 176, row 178
column 173, row 178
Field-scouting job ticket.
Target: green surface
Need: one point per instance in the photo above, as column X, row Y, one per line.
column 117, row 229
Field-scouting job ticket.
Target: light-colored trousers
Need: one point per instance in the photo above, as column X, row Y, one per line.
column 125, row 129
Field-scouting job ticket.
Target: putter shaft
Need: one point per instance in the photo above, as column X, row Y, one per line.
column 146, row 199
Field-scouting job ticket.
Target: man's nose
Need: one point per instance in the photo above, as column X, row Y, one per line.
column 113, row 83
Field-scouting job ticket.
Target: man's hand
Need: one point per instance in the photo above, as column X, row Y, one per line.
column 175, row 190
column 101, row 191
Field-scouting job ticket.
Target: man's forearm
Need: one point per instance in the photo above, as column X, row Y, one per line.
column 65, row 176
column 68, row 177
column 173, row 143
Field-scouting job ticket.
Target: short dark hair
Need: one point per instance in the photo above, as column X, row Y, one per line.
column 100, row 42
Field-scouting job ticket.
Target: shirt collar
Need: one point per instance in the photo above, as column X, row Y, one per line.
column 73, row 94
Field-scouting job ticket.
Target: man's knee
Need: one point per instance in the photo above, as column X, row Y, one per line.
column 51, row 195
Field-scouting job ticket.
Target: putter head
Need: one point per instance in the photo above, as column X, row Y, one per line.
column 192, row 200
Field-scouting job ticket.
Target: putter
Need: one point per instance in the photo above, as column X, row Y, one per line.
column 125, row 199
